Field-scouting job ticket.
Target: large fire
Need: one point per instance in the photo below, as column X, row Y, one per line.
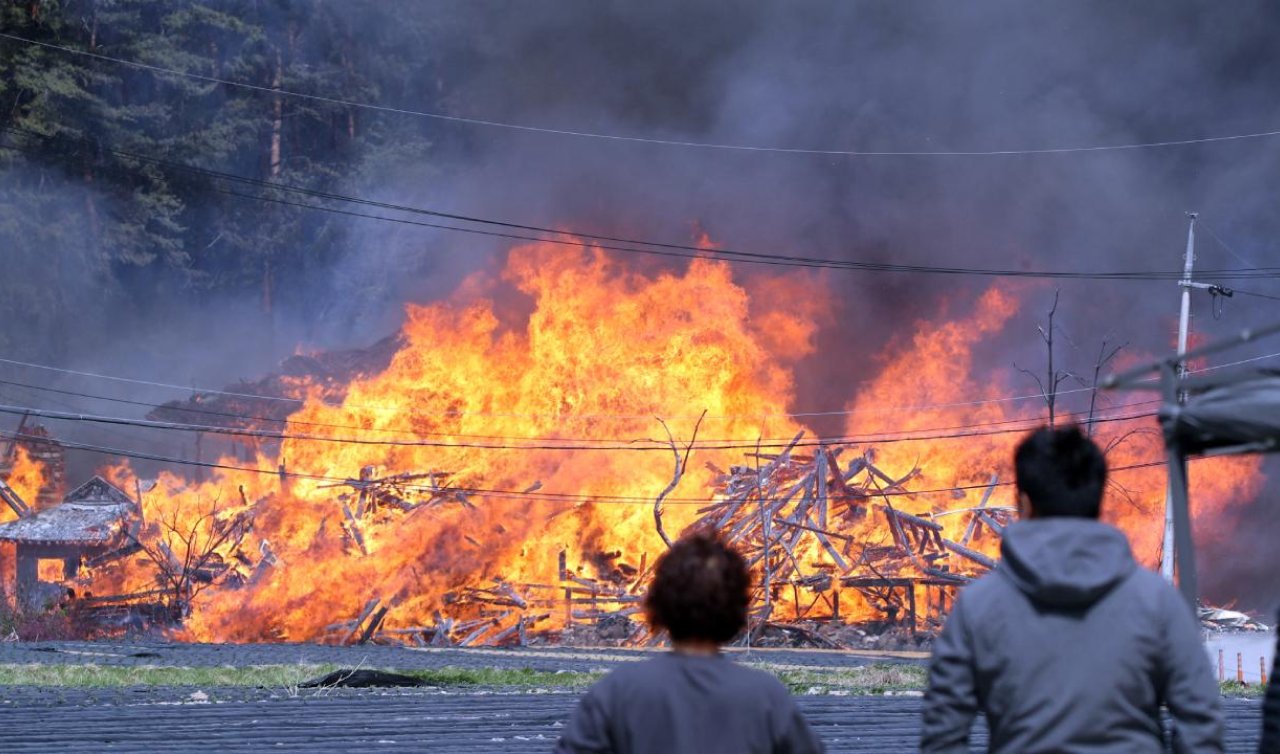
column 26, row 477
column 483, row 395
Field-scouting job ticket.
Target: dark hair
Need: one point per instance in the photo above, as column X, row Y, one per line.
column 1062, row 472
column 700, row 590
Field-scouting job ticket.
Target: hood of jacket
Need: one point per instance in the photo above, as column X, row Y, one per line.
column 1065, row 562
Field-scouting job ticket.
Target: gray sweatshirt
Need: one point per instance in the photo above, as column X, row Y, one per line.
column 686, row 704
column 1070, row 646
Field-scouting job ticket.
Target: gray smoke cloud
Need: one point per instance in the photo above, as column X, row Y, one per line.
column 809, row 75
column 894, row 77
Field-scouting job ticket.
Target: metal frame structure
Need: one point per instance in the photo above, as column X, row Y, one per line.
column 1174, row 383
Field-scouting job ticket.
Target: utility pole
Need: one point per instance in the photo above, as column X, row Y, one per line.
column 1184, row 325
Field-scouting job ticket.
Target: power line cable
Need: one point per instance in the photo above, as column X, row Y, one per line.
column 635, row 246
column 280, row 92
column 961, row 432
column 495, row 493
column 150, row 383
column 1227, row 247
column 727, row 255
column 642, row 445
column 1256, row 294
column 582, row 417
column 114, row 433
column 419, row 433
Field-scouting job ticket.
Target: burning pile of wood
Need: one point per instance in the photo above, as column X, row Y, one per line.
column 794, row 515
column 814, row 521
column 503, row 613
column 791, row 503
column 372, row 497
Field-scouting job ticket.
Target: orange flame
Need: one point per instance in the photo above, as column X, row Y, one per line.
column 478, row 398
column 26, row 477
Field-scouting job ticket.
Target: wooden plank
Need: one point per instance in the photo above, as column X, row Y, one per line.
column 895, row 529
column 991, row 522
column 923, row 523
column 369, row 607
column 972, row 527
column 844, row 537
column 820, row 486
column 373, row 625
column 13, row 500
column 973, row 555
column 506, row 590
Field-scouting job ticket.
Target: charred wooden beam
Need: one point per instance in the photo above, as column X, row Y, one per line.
column 12, row 499
column 368, row 609
column 373, row 625
column 971, row 529
column 965, row 552
column 833, row 535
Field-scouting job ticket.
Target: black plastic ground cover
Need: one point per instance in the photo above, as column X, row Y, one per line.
column 355, row 678
column 548, row 659
column 404, row 722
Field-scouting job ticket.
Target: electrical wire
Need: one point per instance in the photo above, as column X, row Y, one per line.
column 634, row 445
column 419, row 433
column 634, row 246
column 877, row 410
column 1214, row 235
column 1255, row 294
column 1227, row 247
column 280, row 92
column 560, row 417
column 132, row 381
column 496, row 493
column 116, row 434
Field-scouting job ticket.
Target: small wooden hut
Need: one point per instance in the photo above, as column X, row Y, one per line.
column 92, row 521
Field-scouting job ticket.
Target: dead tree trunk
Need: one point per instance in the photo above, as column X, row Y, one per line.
column 277, row 119
column 681, row 465
column 1053, row 378
column 1104, row 358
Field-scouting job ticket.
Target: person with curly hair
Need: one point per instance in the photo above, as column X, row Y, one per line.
column 692, row 699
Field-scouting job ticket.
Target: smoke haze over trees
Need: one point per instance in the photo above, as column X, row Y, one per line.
column 79, row 214
column 117, row 260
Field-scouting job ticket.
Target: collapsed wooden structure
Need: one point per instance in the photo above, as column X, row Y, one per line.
column 808, row 523
column 91, row 524
column 813, row 521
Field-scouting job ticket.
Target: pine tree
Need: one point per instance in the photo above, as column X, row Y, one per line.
column 92, row 181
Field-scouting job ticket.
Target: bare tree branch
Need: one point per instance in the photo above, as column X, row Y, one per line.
column 1053, row 377
column 183, row 553
column 681, row 465
column 1104, row 358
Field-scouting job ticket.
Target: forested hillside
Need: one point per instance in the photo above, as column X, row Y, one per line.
column 97, row 156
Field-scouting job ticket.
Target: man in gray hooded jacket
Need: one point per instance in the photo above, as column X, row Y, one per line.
column 1069, row 645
